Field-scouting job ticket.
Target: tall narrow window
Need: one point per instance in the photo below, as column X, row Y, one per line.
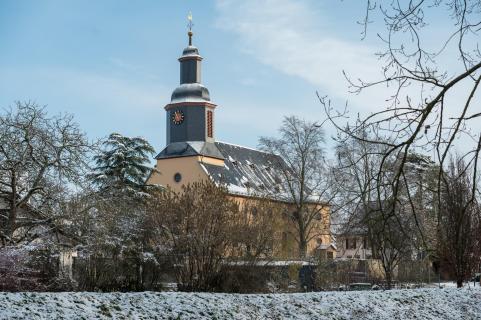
column 210, row 128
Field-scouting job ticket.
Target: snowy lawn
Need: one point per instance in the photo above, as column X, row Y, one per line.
column 396, row 304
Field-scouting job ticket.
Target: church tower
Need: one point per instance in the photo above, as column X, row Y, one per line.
column 190, row 114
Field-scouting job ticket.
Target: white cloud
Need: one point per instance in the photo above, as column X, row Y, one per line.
column 288, row 36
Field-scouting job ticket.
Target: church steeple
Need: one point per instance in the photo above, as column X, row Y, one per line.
column 190, row 60
column 190, row 114
column 190, row 65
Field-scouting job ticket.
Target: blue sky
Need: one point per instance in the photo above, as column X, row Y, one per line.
column 113, row 64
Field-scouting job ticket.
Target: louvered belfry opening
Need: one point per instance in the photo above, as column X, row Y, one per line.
column 210, row 128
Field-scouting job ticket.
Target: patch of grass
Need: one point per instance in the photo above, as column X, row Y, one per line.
column 104, row 310
column 116, row 307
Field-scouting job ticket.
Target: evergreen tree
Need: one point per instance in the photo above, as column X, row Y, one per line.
column 123, row 162
column 115, row 225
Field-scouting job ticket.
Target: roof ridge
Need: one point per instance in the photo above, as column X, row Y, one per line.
column 237, row 145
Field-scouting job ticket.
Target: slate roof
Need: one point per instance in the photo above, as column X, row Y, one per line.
column 190, row 92
column 190, row 148
column 247, row 171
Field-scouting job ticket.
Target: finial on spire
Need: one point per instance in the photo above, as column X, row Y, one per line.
column 190, row 25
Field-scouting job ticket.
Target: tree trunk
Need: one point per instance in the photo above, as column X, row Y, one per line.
column 388, row 279
column 302, row 248
column 459, row 283
column 302, row 236
column 141, row 277
column 12, row 216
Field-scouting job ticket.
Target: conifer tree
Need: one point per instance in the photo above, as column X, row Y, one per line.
column 123, row 162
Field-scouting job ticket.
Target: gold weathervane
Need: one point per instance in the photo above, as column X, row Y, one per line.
column 190, row 25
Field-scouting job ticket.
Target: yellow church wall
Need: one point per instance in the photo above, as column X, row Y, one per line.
column 285, row 244
column 188, row 167
column 209, row 160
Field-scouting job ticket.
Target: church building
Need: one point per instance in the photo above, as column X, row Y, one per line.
column 193, row 154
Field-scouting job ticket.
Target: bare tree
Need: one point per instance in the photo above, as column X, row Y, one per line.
column 17, row 272
column 40, row 157
column 366, row 196
column 305, row 178
column 212, row 240
column 195, row 229
column 432, row 82
column 420, row 113
column 258, row 225
column 387, row 238
column 256, row 240
column 459, row 225
column 356, row 168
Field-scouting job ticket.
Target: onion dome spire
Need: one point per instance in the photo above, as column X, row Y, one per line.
column 191, row 88
column 190, row 113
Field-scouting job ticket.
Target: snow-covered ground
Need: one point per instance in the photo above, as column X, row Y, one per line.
column 436, row 304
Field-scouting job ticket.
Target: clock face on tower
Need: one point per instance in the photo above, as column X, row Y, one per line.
column 177, row 117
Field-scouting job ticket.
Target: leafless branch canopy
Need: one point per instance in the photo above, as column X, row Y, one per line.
column 431, row 78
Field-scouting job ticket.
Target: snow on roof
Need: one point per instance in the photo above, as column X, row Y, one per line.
column 242, row 147
column 325, row 246
column 247, row 171
column 196, row 145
